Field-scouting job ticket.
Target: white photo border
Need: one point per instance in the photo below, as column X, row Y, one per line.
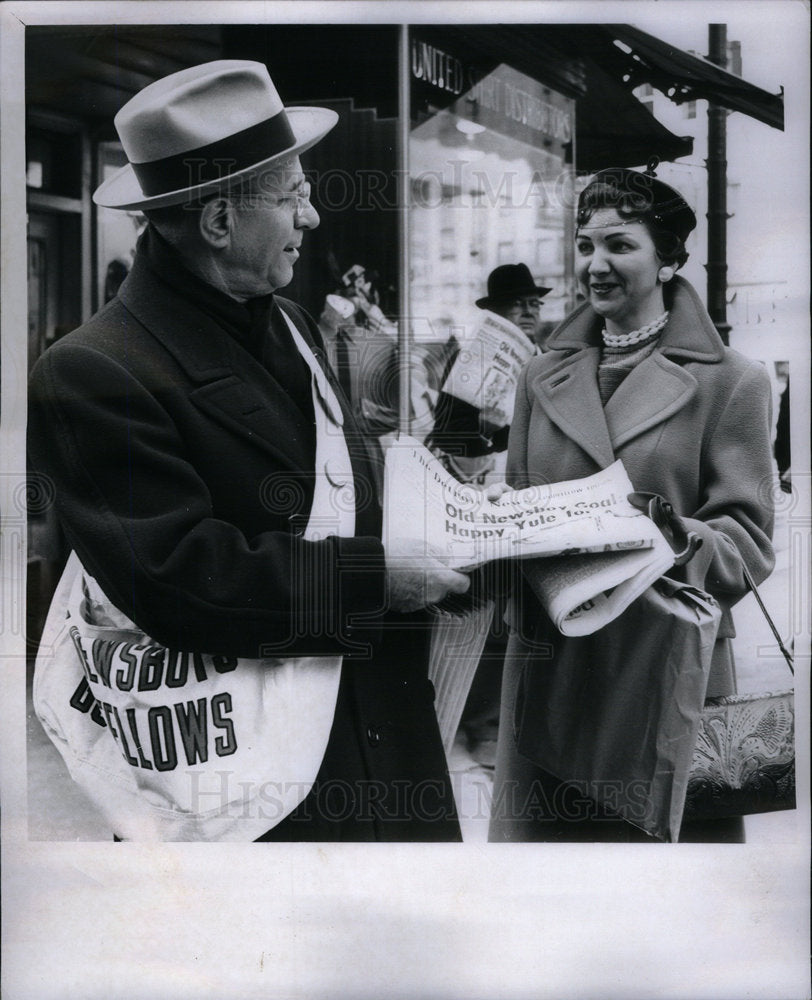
column 387, row 921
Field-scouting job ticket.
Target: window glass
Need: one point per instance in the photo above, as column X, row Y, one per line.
column 490, row 159
column 117, row 232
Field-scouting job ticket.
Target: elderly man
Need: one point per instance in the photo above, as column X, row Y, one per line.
column 513, row 294
column 218, row 498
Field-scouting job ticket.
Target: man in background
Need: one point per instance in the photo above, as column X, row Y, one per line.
column 462, row 436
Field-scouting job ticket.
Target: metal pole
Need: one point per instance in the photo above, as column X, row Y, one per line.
column 717, row 193
column 404, row 266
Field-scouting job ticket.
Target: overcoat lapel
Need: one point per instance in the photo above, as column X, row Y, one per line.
column 653, row 391
column 232, row 387
column 258, row 410
column 568, row 393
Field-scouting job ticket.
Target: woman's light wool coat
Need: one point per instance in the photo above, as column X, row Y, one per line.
column 691, row 422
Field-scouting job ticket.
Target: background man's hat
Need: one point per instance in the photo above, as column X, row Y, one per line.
column 195, row 131
column 657, row 200
column 509, row 281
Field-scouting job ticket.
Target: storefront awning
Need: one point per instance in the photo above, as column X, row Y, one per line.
column 612, row 125
column 615, row 129
column 634, row 57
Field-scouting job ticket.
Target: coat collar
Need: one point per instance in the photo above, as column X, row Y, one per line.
column 232, row 386
column 196, row 323
column 566, row 383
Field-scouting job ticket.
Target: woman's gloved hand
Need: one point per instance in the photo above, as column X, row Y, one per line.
column 685, row 543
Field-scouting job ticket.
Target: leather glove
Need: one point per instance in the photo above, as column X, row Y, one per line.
column 684, row 543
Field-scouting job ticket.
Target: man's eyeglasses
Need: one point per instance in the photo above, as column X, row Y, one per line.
column 302, row 196
column 533, row 305
column 299, row 196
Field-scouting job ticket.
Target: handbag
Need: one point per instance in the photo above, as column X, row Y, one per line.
column 744, row 759
column 616, row 713
column 176, row 745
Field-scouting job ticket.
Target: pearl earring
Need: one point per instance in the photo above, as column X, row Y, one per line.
column 665, row 274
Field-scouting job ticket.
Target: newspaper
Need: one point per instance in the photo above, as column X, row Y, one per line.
column 458, row 639
column 598, row 552
column 486, row 369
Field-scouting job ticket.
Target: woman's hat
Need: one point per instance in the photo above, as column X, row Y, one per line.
column 657, row 200
column 510, row 281
column 197, row 130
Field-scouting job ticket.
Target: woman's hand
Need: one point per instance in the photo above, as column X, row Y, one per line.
column 684, row 542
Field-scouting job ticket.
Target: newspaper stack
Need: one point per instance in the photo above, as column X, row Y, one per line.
column 595, row 552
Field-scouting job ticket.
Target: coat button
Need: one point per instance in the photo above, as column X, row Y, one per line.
column 298, row 523
column 373, row 736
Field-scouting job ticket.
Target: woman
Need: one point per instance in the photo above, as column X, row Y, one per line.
column 637, row 372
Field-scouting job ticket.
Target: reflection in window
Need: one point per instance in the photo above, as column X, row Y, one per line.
column 451, row 293
column 487, row 175
column 116, row 233
column 549, row 254
column 53, row 161
column 505, row 252
column 447, row 248
column 34, row 174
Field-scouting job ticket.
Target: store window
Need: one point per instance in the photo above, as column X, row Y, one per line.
column 116, row 232
column 448, row 249
column 53, row 161
column 490, row 158
column 505, row 252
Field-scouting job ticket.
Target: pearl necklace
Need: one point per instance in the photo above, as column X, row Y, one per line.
column 635, row 336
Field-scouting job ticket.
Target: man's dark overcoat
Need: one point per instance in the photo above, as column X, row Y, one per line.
column 183, row 473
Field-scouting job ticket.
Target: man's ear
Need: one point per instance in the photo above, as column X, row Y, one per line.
column 217, row 221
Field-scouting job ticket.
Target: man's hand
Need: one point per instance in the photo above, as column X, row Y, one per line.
column 493, row 491
column 416, row 578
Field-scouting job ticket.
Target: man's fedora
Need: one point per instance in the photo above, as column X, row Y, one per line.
column 195, row 131
column 510, row 281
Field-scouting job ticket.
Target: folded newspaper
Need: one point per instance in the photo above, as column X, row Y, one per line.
column 487, row 366
column 595, row 552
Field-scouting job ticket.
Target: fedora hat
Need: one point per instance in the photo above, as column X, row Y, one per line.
column 200, row 129
column 509, row 281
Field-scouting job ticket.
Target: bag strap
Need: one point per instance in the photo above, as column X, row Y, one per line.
column 662, row 514
column 751, row 583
